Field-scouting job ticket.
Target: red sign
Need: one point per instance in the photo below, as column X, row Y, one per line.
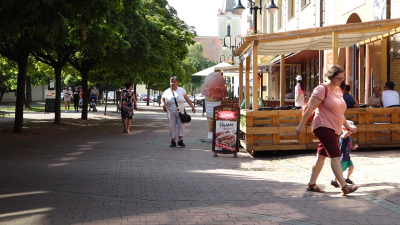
column 227, row 115
column 224, row 146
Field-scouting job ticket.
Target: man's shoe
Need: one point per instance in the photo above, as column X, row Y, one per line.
column 180, row 143
column 173, row 144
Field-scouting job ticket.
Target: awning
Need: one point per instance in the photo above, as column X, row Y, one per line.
column 315, row 38
column 209, row 70
column 296, row 57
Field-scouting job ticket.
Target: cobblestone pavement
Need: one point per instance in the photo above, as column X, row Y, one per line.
column 89, row 172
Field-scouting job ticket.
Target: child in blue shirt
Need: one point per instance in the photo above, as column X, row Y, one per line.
column 345, row 144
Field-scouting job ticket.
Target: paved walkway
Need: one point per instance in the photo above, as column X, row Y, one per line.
column 89, row 172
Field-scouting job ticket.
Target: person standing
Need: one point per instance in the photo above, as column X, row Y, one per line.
column 327, row 101
column 176, row 127
column 299, row 92
column 128, row 104
column 94, row 93
column 80, row 97
column 117, row 98
column 76, row 99
column 67, row 97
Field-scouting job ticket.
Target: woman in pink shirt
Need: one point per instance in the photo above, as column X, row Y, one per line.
column 327, row 126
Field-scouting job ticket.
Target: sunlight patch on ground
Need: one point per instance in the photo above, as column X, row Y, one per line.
column 26, row 212
column 23, row 194
column 57, row 164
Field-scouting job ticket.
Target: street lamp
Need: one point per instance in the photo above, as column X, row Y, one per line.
column 220, row 61
column 239, row 8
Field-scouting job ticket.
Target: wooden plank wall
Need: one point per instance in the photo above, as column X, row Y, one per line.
column 275, row 130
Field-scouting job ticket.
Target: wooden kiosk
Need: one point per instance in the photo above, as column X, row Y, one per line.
column 275, row 130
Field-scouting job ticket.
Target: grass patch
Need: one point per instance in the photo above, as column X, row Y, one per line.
column 32, row 109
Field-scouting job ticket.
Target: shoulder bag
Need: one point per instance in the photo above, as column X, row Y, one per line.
column 185, row 118
column 309, row 120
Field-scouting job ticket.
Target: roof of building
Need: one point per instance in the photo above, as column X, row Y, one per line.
column 227, row 6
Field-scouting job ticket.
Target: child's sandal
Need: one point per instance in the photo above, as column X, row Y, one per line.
column 314, row 188
column 334, row 183
column 349, row 181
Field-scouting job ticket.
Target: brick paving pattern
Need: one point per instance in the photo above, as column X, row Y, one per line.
column 89, row 172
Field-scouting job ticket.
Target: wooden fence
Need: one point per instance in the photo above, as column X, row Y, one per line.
column 275, row 130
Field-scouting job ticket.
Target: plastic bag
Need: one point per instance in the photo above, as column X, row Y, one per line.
column 260, row 103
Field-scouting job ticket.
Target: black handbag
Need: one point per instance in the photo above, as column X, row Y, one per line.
column 185, row 118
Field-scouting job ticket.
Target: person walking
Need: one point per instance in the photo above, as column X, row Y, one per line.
column 80, row 97
column 128, row 104
column 346, row 146
column 327, row 101
column 299, row 92
column 176, row 127
column 76, row 99
column 67, row 97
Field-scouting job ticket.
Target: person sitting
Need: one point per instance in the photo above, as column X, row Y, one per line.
column 348, row 98
column 390, row 97
column 375, row 100
column 289, row 94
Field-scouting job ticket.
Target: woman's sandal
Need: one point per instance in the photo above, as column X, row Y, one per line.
column 349, row 181
column 314, row 188
column 347, row 189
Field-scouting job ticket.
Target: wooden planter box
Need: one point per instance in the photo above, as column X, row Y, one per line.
column 275, row 130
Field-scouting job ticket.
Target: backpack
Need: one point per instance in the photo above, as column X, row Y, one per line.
column 309, row 120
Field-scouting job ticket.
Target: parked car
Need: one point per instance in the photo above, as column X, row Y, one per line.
column 144, row 97
column 199, row 99
column 154, row 98
column 190, row 97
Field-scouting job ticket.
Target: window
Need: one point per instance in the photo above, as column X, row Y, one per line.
column 280, row 16
column 305, row 3
column 291, row 7
column 228, row 32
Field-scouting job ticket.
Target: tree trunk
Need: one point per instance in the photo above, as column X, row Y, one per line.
column 28, row 94
column 19, row 104
column 85, row 74
column 105, row 107
column 57, row 114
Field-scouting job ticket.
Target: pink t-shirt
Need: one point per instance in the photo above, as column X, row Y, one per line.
column 330, row 113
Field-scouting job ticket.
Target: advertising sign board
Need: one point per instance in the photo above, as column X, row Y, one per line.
column 226, row 130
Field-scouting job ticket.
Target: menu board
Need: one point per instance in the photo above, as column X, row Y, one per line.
column 226, row 130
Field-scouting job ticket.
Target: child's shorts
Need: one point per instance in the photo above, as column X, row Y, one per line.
column 346, row 164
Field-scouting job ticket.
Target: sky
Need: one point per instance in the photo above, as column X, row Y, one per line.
column 200, row 13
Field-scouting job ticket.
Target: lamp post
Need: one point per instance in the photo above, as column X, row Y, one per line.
column 220, row 60
column 231, row 47
column 239, row 8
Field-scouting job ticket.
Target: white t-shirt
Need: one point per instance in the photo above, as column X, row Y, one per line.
column 180, row 99
column 299, row 96
column 390, row 97
column 67, row 95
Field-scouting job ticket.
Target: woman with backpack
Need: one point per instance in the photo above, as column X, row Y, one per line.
column 327, row 101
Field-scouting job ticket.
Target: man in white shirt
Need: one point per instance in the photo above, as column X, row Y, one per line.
column 390, row 97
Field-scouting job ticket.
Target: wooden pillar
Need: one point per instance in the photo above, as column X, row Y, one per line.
column 367, row 73
column 283, row 78
column 240, row 83
column 361, row 81
column 349, row 66
column 255, row 76
column 335, row 48
column 247, row 91
column 384, row 61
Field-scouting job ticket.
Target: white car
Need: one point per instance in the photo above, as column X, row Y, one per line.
column 199, row 99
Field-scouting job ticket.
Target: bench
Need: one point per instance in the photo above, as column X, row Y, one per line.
column 2, row 113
